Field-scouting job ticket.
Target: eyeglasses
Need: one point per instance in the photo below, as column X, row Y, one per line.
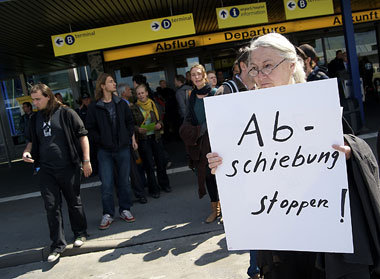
column 265, row 71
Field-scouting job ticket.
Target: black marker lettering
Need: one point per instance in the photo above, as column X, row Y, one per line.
column 257, row 131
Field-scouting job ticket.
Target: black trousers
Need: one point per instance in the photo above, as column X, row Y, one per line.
column 289, row 265
column 136, row 179
column 52, row 184
column 152, row 153
column 212, row 188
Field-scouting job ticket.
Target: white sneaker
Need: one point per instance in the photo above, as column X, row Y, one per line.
column 127, row 216
column 79, row 241
column 106, row 222
column 53, row 256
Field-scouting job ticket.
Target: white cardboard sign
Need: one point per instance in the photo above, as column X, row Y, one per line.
column 282, row 186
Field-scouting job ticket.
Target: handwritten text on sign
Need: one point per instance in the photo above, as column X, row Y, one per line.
column 282, row 186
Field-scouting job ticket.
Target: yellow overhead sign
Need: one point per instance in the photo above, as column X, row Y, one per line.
column 237, row 35
column 307, row 8
column 241, row 15
column 123, row 34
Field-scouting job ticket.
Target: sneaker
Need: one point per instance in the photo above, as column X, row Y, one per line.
column 53, row 256
column 143, row 200
column 127, row 216
column 106, row 222
column 79, row 241
column 155, row 195
column 167, row 189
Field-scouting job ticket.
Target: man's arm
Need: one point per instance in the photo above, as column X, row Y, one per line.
column 181, row 100
column 87, row 169
column 26, row 156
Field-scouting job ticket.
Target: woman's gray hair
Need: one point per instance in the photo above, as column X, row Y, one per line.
column 285, row 49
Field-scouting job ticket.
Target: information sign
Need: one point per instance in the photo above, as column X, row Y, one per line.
column 123, row 34
column 241, row 15
column 307, row 8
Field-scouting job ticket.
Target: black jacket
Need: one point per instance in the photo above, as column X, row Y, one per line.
column 99, row 126
column 318, row 73
column 364, row 190
column 336, row 65
column 364, row 187
column 73, row 128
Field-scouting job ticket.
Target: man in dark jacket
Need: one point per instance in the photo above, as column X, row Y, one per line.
column 336, row 65
column 182, row 95
column 85, row 101
column 313, row 71
column 24, row 120
column 239, row 82
column 110, row 125
column 57, row 140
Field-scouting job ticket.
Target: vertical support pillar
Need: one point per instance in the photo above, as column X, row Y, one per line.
column 324, row 50
column 170, row 72
column 377, row 30
column 74, row 86
column 349, row 36
column 25, row 91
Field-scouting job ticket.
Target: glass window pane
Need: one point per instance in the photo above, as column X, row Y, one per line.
column 120, row 79
column 332, row 45
column 183, row 66
column 366, row 45
column 153, row 78
column 58, row 82
column 11, row 91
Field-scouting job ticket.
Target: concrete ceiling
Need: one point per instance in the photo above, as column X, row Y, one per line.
column 26, row 25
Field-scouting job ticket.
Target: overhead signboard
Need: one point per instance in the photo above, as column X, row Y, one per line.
column 241, row 15
column 123, row 34
column 307, row 8
column 280, row 172
column 237, row 35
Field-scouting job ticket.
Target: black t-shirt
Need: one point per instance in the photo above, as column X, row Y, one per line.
column 54, row 149
column 111, row 108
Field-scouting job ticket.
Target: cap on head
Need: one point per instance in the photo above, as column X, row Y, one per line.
column 309, row 51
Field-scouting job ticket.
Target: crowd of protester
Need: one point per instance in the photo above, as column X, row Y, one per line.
column 120, row 135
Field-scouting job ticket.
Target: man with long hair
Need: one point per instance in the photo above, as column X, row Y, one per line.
column 110, row 125
column 58, row 147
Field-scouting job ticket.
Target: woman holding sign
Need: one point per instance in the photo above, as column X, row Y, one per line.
column 148, row 127
column 274, row 62
column 195, row 136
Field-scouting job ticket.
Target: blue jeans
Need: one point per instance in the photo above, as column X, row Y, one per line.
column 120, row 160
column 253, row 268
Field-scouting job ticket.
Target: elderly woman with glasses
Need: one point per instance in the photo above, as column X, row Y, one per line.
column 274, row 62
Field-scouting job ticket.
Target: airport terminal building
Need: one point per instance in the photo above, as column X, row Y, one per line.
column 66, row 44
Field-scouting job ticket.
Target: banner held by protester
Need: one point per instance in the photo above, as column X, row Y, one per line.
column 282, row 186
